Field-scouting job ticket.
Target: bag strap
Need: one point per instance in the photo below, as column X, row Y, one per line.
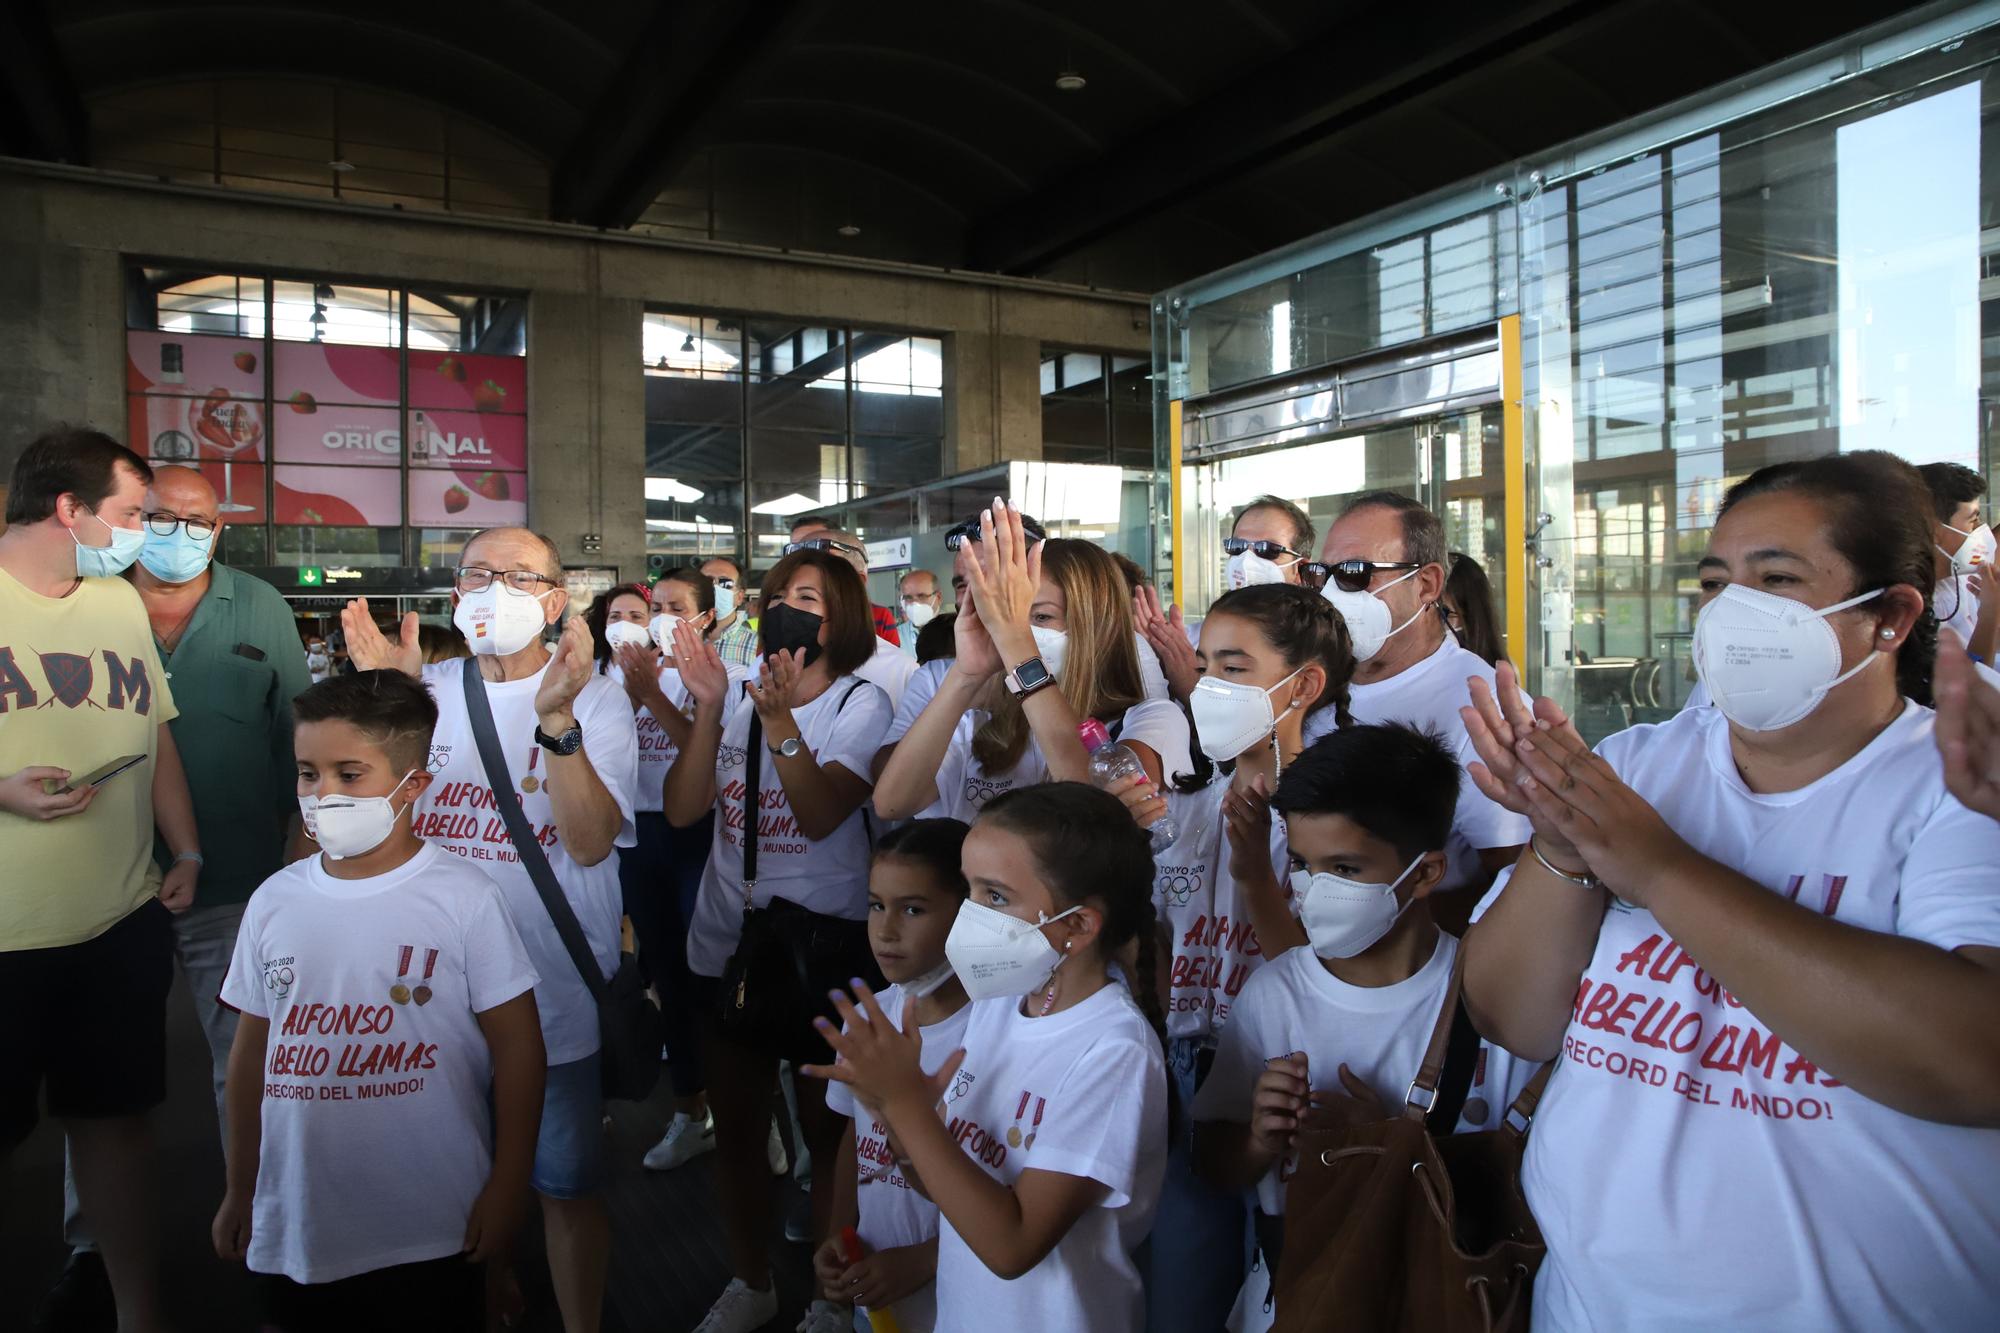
column 533, row 859
column 1461, row 1061
column 753, row 803
column 1423, row 1093
column 1521, row 1115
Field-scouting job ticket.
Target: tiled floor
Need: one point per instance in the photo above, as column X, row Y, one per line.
column 667, row 1260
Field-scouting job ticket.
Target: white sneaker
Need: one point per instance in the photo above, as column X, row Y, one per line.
column 826, row 1317
column 774, row 1149
column 739, row 1309
column 686, row 1139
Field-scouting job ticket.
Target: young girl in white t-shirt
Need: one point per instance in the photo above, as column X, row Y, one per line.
column 915, row 889
column 815, row 727
column 1044, row 638
column 1765, row 940
column 1044, row 1146
column 1269, row 656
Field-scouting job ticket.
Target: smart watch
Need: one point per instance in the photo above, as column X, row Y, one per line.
column 568, row 743
column 1028, row 677
column 788, row 748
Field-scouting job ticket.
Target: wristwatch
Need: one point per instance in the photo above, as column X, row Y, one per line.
column 568, row 743
column 1028, row 677
column 788, row 748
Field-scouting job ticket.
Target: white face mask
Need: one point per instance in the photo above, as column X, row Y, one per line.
column 1769, row 660
column 316, row 658
column 1974, row 551
column 1367, row 616
column 497, row 621
column 995, row 954
column 621, row 632
column 1344, row 917
column 1052, row 646
column 1232, row 717
column 345, row 826
column 1249, row 569
column 919, row 614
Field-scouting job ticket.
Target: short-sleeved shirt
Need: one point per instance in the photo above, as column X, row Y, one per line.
column 1799, row 1202
column 377, row 1135
column 656, row 745
column 1082, row 1092
column 892, row 1213
column 458, row 813
column 1214, row 948
column 844, row 726
column 964, row 785
column 235, row 673
column 738, row 643
column 80, row 685
column 1428, row 695
column 1956, row 605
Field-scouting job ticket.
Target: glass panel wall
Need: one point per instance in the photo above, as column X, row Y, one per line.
column 753, row 422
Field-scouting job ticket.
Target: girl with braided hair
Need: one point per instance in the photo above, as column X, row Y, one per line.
column 1043, row 1141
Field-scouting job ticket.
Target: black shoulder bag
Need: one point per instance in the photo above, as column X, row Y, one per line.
column 628, row 1023
column 787, row 957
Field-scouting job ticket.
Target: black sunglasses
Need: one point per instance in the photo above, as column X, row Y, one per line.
column 1266, row 550
column 968, row 531
column 824, row 544
column 1351, row 575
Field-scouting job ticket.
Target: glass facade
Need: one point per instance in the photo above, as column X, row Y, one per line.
column 1799, row 265
column 342, row 424
column 752, row 422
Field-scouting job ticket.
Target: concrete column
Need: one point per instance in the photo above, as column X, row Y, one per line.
column 62, row 325
column 586, row 427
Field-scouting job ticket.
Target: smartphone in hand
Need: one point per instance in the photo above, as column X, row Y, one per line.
column 104, row 773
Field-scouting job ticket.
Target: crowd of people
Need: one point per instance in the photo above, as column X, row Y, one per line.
column 1083, row 945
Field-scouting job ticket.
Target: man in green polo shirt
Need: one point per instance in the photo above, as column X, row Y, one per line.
column 231, row 650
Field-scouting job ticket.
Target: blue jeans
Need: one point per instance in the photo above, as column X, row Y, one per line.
column 1195, row 1259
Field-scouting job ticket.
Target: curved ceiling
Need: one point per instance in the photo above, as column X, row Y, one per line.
column 1205, row 132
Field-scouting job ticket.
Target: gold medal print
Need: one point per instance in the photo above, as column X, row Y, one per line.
column 531, row 783
column 399, row 993
column 1013, row 1136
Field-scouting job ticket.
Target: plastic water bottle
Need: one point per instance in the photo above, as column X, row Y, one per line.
column 1111, row 761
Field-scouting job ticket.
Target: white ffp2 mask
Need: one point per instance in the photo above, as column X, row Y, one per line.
column 995, row 954
column 1231, row 717
column 1344, row 917
column 497, row 621
column 1769, row 660
column 345, row 826
column 1052, row 646
column 1974, row 551
column 1367, row 616
column 621, row 632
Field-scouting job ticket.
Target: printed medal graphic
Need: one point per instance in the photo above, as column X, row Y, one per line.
column 1014, row 1136
column 531, row 783
column 422, row 994
column 400, row 991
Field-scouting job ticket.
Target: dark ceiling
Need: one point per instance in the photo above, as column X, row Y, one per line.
column 1205, row 133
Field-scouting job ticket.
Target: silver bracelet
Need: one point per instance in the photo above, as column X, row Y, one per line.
column 190, row 856
column 1584, row 881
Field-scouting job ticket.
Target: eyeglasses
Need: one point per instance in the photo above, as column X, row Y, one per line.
column 163, row 524
column 724, row 583
column 968, row 531
column 1266, row 550
column 473, row 578
column 1354, row 575
column 826, row 544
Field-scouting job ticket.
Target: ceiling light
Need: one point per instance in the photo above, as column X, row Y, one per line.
column 1069, row 81
column 849, row 229
column 322, row 292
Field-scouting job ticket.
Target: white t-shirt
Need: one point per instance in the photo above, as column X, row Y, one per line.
column 1082, row 1092
column 964, row 786
column 1214, row 948
column 656, row 744
column 364, row 1095
column 1742, row 1187
column 892, row 1213
column 890, row 669
column 1379, row 1032
column 458, row 813
column 1428, row 695
column 1956, row 605
column 844, row 726
column 919, row 690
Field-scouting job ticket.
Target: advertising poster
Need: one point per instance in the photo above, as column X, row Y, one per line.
column 187, row 365
column 181, row 430
column 468, row 440
column 337, row 434
column 305, row 377
column 463, row 382
column 467, row 498
column 340, row 496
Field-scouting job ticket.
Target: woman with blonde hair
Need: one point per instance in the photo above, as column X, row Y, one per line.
column 1044, row 639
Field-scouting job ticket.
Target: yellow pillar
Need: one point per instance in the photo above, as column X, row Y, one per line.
column 1174, row 490
column 1514, row 449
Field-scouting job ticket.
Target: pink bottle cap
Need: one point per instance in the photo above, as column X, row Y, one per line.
column 1092, row 733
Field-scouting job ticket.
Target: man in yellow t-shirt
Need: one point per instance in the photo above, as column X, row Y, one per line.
column 86, row 952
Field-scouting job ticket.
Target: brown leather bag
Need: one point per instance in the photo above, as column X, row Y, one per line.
column 1390, row 1228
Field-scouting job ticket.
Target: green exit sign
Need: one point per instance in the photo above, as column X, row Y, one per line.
column 311, row 576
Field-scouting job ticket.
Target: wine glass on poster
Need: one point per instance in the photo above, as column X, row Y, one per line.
column 229, row 426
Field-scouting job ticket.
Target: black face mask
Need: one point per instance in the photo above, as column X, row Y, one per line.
column 784, row 628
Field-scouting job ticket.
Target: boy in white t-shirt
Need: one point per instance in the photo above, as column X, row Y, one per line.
column 385, row 1085
column 1368, row 814
column 915, row 888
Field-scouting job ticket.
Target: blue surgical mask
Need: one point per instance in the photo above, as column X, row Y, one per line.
column 103, row 562
column 176, row 557
column 725, row 602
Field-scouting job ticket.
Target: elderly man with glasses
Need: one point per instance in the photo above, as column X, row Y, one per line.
column 571, row 748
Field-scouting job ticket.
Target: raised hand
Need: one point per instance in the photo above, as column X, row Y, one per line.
column 1246, row 814
column 568, row 671
column 370, row 650
column 1968, row 729
column 1164, row 629
column 1278, row 1102
column 1498, row 726
column 977, row 657
column 881, row 1063
column 701, row 668
column 777, row 684
column 1003, row 576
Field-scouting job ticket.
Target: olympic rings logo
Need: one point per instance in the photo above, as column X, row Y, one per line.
column 1179, row 889
column 278, row 980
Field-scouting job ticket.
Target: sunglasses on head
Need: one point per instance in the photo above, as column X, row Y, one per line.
column 1349, row 575
column 824, row 544
column 968, row 531
column 1271, row 551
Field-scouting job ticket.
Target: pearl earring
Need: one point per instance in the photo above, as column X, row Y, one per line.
column 1888, row 634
